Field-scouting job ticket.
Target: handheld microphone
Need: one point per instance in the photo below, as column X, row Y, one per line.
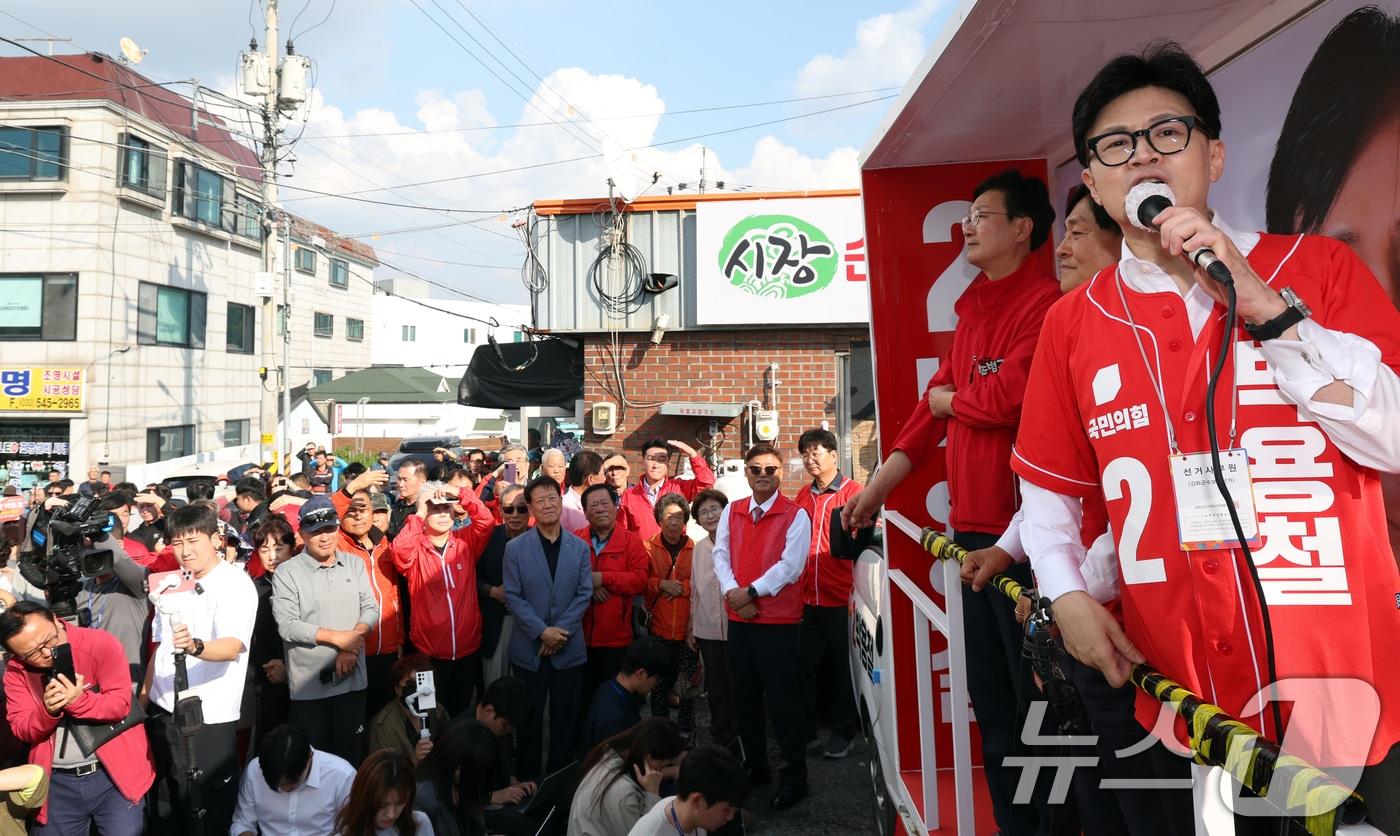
column 1146, row 201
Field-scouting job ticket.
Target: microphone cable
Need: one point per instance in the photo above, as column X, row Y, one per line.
column 1211, row 385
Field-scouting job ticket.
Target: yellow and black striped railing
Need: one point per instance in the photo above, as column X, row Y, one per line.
column 1309, row 795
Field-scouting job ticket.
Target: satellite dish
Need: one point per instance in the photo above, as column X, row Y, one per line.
column 133, row 53
column 623, row 175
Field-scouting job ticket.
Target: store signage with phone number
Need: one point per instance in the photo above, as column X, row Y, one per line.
column 40, row 389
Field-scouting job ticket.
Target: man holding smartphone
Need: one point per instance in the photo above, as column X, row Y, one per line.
column 63, row 686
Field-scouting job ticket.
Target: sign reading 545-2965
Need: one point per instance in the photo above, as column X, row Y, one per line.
column 41, row 389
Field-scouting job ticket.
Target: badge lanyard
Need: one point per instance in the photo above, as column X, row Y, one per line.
column 1203, row 520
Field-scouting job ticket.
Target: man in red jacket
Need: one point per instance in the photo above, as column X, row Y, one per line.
column 358, row 536
column 620, row 568
column 826, row 593
column 638, row 503
column 761, row 547
column 974, row 399
column 106, row 786
column 440, row 564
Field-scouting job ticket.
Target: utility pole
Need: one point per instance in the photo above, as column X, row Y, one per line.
column 267, row 413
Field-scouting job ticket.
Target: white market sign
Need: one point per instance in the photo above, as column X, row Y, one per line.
column 780, row 262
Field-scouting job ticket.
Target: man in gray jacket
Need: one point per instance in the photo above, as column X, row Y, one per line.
column 324, row 605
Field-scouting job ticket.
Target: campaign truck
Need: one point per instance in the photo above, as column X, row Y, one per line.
column 995, row 91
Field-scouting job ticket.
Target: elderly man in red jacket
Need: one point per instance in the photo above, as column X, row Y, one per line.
column 637, row 506
column 105, row 785
column 620, row 568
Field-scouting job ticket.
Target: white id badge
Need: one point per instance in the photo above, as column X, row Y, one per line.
column 1202, row 518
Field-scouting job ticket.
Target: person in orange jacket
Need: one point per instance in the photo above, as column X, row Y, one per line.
column 668, row 601
column 440, row 564
column 358, row 536
column 619, row 572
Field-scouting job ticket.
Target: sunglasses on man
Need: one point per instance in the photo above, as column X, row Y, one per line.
column 763, row 471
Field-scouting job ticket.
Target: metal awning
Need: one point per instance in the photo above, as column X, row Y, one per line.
column 1000, row 80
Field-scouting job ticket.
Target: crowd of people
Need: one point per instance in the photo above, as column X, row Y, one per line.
column 483, row 642
column 515, row 641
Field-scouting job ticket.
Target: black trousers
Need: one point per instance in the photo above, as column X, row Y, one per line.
column 560, row 688
column 457, row 682
column 1000, row 685
column 334, row 724
column 719, row 691
column 215, row 754
column 271, row 704
column 826, row 667
column 765, row 668
column 379, row 690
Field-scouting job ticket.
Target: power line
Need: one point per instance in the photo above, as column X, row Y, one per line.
column 711, row 109
column 661, row 144
column 450, row 263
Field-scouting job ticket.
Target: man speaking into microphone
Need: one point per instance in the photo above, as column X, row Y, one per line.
column 210, row 622
column 1306, row 408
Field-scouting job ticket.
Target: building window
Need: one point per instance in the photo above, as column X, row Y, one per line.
column 240, row 328
column 324, row 325
column 355, row 330
column 39, row 307
column 306, row 260
column 170, row 316
column 468, row 335
column 199, row 194
column 142, row 167
column 281, row 320
column 247, row 220
column 236, row 432
column 33, row 153
column 410, row 333
column 320, row 377
column 340, row 273
column 165, row 443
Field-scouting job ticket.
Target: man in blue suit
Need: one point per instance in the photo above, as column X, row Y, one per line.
column 548, row 584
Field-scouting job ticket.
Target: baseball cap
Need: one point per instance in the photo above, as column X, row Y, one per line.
column 378, row 501
column 317, row 514
column 383, row 457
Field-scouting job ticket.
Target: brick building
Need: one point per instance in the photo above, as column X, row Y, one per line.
column 708, row 358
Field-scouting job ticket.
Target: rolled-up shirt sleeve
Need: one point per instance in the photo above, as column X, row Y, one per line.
column 1321, row 356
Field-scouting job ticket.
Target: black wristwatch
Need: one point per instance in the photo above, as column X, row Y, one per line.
column 198, row 650
column 1296, row 312
column 753, row 593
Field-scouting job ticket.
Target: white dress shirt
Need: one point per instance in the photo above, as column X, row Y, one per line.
column 308, row 810
column 789, row 567
column 1320, row 356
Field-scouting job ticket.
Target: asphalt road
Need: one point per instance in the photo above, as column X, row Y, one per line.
column 841, row 803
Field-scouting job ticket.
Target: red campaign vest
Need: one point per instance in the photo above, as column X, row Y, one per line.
column 754, row 549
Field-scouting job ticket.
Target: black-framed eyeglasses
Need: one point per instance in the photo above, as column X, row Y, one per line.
column 1167, row 136
column 763, row 471
column 45, row 648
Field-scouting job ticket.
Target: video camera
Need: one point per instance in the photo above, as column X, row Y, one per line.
column 61, row 554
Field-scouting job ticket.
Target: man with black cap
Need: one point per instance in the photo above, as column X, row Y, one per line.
column 324, row 604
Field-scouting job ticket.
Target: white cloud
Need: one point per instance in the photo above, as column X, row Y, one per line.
column 887, row 49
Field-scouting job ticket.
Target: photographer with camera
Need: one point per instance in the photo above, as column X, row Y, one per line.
column 68, row 695
column 115, row 600
column 195, row 680
column 324, row 604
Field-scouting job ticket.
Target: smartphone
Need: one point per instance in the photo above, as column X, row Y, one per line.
column 510, row 474
column 184, row 577
column 427, row 699
column 63, row 663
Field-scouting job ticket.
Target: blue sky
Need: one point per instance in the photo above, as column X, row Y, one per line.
column 387, row 73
